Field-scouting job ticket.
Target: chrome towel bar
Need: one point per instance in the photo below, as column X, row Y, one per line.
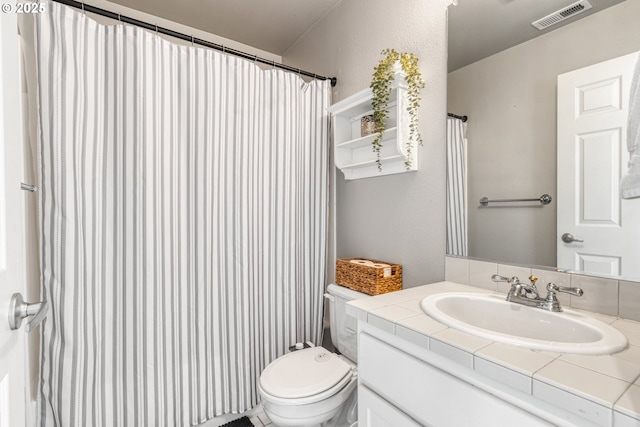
column 28, row 187
column 545, row 199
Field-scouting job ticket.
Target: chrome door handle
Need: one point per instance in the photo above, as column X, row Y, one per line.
column 18, row 310
column 568, row 238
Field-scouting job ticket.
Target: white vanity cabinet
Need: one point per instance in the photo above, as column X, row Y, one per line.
column 374, row 411
column 353, row 152
column 401, row 384
column 412, row 366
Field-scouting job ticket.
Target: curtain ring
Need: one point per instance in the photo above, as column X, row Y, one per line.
column 120, row 18
column 83, row 11
column 192, row 42
column 255, row 58
column 156, row 29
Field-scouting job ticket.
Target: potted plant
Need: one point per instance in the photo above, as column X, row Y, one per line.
column 381, row 85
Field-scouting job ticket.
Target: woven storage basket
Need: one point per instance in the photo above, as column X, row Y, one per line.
column 367, row 279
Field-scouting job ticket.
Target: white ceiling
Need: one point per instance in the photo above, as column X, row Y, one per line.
column 481, row 28
column 270, row 25
column 477, row 28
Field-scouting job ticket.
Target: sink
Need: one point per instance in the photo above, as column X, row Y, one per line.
column 491, row 317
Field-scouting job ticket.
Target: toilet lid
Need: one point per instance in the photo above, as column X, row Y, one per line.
column 303, row 373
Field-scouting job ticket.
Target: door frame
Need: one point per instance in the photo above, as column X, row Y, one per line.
column 13, row 346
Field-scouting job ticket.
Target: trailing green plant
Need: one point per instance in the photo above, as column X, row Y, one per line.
column 381, row 85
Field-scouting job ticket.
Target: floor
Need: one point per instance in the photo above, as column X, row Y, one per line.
column 260, row 419
column 256, row 415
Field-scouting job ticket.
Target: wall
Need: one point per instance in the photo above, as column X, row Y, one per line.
column 396, row 218
column 510, row 99
column 32, row 259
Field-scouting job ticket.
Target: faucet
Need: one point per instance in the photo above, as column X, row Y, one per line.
column 521, row 293
column 527, row 294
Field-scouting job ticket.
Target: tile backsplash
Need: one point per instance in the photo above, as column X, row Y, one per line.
column 613, row 297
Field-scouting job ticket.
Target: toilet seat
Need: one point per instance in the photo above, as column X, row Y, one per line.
column 305, row 376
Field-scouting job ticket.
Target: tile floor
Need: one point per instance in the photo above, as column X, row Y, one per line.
column 260, row 419
column 256, row 415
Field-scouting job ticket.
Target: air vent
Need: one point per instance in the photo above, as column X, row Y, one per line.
column 562, row 14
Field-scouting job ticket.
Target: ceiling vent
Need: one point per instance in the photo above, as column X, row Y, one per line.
column 562, row 14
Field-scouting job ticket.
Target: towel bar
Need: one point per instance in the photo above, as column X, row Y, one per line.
column 545, row 199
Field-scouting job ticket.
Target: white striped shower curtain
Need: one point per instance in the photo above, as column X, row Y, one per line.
column 184, row 199
column 456, row 188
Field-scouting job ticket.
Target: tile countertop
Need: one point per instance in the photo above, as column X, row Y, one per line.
column 604, row 388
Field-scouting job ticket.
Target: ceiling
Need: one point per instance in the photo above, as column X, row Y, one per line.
column 269, row 25
column 477, row 28
column 481, row 28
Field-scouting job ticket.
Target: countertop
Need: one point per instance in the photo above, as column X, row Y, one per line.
column 604, row 389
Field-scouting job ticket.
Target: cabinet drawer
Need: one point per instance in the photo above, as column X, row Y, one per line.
column 428, row 394
column 374, row 411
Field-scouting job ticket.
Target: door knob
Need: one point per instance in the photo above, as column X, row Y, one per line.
column 568, row 238
column 18, row 310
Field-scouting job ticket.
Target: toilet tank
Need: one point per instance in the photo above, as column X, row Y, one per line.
column 343, row 328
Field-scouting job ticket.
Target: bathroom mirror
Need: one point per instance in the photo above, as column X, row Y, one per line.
column 508, row 89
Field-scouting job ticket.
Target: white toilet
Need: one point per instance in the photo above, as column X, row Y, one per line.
column 309, row 387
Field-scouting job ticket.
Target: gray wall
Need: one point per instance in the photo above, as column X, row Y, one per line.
column 395, row 218
column 510, row 99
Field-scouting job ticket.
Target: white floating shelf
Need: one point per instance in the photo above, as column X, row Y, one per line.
column 365, row 141
column 354, row 154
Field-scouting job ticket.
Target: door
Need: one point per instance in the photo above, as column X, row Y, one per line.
column 593, row 104
column 12, row 279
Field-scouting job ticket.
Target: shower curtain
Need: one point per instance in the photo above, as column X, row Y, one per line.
column 456, row 188
column 183, row 199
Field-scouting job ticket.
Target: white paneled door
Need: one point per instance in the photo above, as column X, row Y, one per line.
column 12, row 342
column 597, row 231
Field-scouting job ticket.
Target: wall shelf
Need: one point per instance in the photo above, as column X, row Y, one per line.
column 354, row 155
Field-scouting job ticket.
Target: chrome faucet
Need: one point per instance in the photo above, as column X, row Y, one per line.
column 527, row 294
column 521, row 293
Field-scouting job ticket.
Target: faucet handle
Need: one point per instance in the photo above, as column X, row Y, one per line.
column 552, row 287
column 512, row 281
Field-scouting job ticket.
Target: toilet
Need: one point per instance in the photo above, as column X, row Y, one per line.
column 312, row 386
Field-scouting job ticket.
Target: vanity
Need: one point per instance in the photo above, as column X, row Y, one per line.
column 414, row 370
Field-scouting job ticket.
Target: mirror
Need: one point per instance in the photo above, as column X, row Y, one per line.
column 508, row 90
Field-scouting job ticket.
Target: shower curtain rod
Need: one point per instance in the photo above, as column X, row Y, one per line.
column 166, row 31
column 455, row 116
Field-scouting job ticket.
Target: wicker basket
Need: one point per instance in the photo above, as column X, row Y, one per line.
column 367, row 279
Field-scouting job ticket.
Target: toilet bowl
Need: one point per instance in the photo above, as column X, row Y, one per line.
column 310, row 387
column 306, row 387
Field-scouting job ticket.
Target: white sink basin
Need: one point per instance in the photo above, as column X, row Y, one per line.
column 491, row 317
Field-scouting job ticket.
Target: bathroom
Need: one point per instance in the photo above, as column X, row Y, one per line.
column 402, row 217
